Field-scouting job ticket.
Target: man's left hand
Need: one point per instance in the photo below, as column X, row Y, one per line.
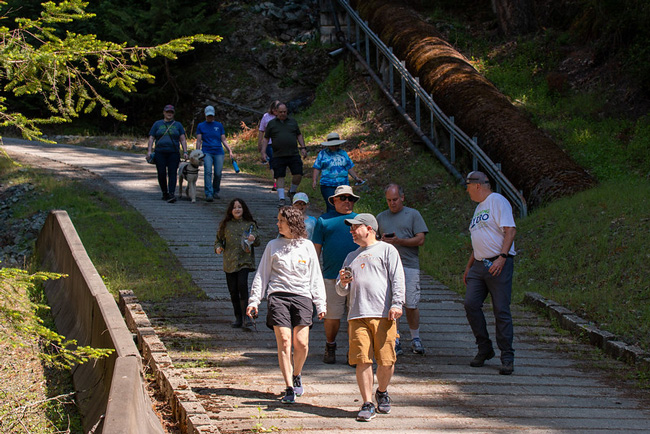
column 303, row 152
column 394, row 313
column 497, row 266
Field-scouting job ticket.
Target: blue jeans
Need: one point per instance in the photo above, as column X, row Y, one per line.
column 167, row 166
column 327, row 191
column 212, row 185
column 480, row 283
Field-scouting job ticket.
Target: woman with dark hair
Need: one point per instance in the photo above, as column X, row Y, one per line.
column 289, row 275
column 236, row 237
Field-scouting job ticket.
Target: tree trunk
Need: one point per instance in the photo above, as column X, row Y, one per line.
column 529, row 158
column 516, row 17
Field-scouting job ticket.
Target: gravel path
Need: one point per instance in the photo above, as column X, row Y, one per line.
column 556, row 387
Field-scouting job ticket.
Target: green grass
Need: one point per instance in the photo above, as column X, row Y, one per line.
column 125, row 250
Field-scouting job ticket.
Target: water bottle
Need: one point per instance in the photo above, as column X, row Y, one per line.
column 235, row 165
column 487, row 263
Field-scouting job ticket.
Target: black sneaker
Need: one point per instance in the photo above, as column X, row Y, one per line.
column 367, row 412
column 480, row 358
column 289, row 396
column 237, row 323
column 330, row 354
column 507, row 368
column 383, row 402
column 171, row 199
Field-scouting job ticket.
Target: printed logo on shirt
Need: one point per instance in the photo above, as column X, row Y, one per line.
column 480, row 219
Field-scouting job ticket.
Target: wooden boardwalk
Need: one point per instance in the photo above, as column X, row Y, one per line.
column 556, row 387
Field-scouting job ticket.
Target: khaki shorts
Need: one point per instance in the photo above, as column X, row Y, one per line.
column 412, row 281
column 372, row 336
column 335, row 303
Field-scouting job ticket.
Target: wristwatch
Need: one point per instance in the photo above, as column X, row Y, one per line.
column 503, row 255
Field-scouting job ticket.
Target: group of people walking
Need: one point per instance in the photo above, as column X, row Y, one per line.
column 370, row 265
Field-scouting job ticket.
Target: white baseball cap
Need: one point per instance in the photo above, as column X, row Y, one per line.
column 300, row 197
column 209, row 111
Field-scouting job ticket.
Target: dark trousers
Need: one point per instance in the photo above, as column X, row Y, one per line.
column 167, row 167
column 328, row 191
column 480, row 283
column 238, row 288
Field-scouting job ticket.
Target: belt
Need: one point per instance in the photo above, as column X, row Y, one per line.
column 496, row 257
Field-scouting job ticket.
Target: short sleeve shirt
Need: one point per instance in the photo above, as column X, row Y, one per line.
column 211, row 133
column 405, row 224
column 167, row 135
column 334, row 236
column 334, row 166
column 284, row 135
column 486, row 227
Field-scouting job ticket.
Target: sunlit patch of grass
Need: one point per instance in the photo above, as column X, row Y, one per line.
column 124, row 248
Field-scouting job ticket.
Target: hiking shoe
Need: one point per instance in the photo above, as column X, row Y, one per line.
column 416, row 346
column 171, row 198
column 367, row 412
column 398, row 349
column 237, row 323
column 165, row 196
column 383, row 401
column 289, row 396
column 480, row 358
column 297, row 385
column 330, row 354
column 506, row 368
column 281, row 203
column 248, row 322
column 216, row 196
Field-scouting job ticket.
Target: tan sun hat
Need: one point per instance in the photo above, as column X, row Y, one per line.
column 342, row 190
column 333, row 139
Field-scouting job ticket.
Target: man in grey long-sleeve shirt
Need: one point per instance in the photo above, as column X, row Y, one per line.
column 374, row 278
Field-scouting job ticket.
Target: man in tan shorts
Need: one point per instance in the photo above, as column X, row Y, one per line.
column 373, row 277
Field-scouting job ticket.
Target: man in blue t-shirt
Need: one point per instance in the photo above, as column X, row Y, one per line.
column 332, row 237
column 211, row 139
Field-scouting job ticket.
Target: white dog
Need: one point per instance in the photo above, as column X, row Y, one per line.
column 189, row 171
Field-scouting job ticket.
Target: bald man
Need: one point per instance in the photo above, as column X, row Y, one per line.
column 489, row 270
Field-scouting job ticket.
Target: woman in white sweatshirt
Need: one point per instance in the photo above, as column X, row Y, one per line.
column 289, row 275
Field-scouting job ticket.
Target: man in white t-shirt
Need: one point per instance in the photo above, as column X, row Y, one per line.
column 489, row 270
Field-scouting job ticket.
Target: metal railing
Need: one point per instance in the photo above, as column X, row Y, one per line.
column 384, row 57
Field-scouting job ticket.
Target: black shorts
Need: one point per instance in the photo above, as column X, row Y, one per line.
column 280, row 164
column 288, row 310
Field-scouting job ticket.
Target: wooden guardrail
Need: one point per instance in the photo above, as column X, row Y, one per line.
column 110, row 391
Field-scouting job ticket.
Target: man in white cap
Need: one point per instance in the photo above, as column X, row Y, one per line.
column 211, row 139
column 333, row 166
column 489, row 271
column 301, row 202
column 332, row 238
column 373, row 277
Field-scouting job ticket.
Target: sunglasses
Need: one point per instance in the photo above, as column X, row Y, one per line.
column 348, row 198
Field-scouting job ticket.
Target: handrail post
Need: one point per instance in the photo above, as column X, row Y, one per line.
column 417, row 105
column 452, row 142
column 392, row 69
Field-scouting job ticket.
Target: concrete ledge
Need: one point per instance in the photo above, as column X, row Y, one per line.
column 110, row 391
column 188, row 411
column 608, row 342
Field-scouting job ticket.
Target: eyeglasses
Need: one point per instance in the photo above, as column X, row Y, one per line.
column 348, row 198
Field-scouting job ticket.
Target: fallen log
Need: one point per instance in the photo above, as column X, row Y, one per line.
column 530, row 159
